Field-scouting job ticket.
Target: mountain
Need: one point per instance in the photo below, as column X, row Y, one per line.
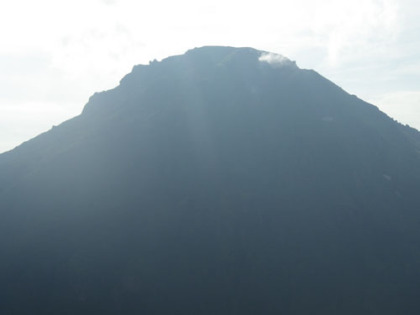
column 222, row 181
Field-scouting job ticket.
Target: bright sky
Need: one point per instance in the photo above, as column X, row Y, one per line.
column 55, row 54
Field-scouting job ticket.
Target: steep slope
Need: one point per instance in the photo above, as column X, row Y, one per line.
column 222, row 181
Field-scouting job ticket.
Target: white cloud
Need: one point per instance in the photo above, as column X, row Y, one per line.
column 273, row 59
column 355, row 28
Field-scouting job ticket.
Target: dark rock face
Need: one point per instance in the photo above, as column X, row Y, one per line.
column 214, row 182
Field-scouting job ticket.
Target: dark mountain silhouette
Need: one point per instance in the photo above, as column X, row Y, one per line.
column 222, row 181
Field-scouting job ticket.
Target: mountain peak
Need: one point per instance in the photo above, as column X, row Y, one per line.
column 203, row 64
column 221, row 181
column 220, row 55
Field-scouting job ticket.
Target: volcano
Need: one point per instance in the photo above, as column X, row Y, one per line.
column 221, row 181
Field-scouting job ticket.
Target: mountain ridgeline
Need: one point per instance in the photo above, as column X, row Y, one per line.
column 222, row 181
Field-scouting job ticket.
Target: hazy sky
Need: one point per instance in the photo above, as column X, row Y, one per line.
column 55, row 54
